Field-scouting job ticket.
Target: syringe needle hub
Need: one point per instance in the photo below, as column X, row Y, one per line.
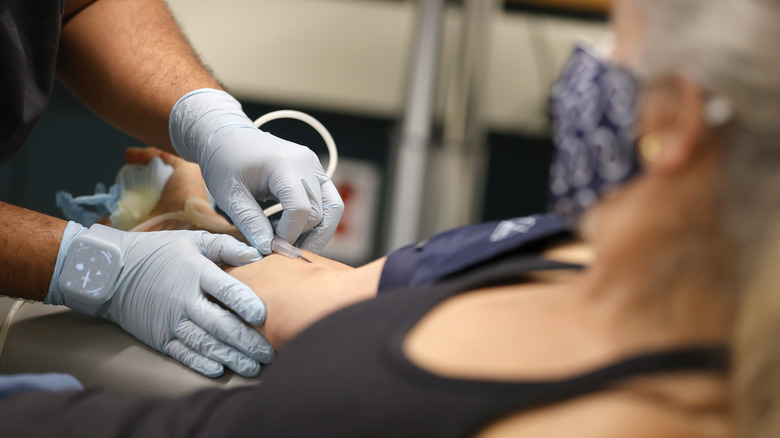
column 283, row 247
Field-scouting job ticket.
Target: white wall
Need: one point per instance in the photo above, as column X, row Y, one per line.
column 351, row 55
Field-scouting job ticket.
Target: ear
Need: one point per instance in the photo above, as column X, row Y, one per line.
column 672, row 113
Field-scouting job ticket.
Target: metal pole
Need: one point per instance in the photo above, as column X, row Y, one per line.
column 456, row 190
column 409, row 173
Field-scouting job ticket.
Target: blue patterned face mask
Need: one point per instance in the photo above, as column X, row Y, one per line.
column 593, row 108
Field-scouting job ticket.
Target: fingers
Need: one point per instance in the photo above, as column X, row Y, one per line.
column 250, row 220
column 302, row 204
column 227, row 328
column 198, row 340
column 232, row 293
column 314, row 192
column 136, row 155
column 332, row 209
column 177, row 350
column 226, row 249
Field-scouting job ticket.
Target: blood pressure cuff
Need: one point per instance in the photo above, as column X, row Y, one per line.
column 458, row 250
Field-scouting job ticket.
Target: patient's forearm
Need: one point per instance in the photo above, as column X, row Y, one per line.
column 29, row 243
column 298, row 294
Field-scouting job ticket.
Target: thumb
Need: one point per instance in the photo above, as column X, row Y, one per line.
column 221, row 248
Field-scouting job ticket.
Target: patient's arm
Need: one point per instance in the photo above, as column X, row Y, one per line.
column 296, row 293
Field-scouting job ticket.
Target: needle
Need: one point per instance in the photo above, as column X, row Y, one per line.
column 281, row 246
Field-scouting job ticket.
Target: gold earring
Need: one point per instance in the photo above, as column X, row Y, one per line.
column 649, row 147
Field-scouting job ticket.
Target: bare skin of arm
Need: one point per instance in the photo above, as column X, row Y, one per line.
column 296, row 293
column 29, row 243
column 128, row 61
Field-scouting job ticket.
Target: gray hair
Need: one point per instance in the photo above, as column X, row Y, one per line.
column 729, row 48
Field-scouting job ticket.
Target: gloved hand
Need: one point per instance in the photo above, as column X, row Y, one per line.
column 161, row 299
column 242, row 164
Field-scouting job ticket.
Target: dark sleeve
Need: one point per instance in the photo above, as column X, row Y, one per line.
column 97, row 413
column 29, row 40
column 399, row 266
column 452, row 252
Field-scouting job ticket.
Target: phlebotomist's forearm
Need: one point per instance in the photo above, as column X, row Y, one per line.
column 29, row 243
column 128, row 61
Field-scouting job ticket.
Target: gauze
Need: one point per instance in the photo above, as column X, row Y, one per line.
column 128, row 202
column 88, row 209
column 141, row 187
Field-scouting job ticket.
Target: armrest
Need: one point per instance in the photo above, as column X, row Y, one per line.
column 45, row 338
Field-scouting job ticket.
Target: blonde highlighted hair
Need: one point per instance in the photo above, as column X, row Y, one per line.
column 757, row 349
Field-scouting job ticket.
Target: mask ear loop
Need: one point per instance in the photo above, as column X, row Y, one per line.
column 605, row 46
column 190, row 215
column 718, row 110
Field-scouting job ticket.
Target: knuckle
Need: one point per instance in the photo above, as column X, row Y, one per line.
column 298, row 212
column 293, row 156
column 332, row 212
column 337, row 205
column 311, row 155
column 223, row 329
column 230, row 295
column 174, row 349
column 316, row 215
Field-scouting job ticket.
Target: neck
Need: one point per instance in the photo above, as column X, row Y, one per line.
column 633, row 314
column 676, row 290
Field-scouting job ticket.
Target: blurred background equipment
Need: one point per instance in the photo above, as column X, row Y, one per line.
column 349, row 64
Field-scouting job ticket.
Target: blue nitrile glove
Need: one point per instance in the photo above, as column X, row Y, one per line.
column 242, row 164
column 161, row 299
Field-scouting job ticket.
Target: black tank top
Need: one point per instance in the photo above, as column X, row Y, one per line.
column 346, row 376
column 29, row 40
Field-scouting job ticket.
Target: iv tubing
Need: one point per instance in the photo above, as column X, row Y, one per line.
column 333, row 154
column 190, row 213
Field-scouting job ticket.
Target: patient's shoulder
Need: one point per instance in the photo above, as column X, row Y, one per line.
column 613, row 414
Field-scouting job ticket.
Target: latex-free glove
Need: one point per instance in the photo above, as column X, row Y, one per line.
column 161, row 299
column 242, row 164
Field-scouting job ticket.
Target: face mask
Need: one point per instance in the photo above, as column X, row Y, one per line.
column 593, row 110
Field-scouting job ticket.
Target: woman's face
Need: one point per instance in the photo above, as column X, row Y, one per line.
column 627, row 28
column 669, row 113
column 594, row 106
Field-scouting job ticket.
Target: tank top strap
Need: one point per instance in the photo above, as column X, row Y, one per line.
column 509, row 270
